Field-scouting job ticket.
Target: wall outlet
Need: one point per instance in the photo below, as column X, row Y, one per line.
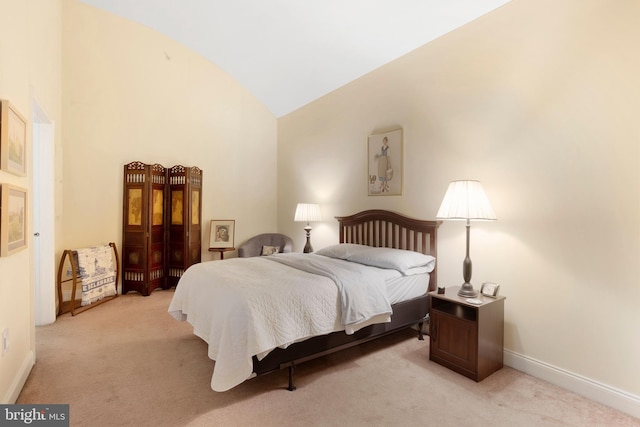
column 5, row 341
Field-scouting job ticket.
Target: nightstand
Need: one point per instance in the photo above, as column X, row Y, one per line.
column 465, row 337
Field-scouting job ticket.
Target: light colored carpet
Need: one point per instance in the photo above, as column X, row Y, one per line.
column 128, row 363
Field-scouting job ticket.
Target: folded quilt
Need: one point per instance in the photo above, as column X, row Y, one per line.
column 95, row 268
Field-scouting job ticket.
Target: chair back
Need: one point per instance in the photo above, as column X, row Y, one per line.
column 253, row 246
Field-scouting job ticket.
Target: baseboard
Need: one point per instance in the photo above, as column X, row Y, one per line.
column 20, row 379
column 583, row 386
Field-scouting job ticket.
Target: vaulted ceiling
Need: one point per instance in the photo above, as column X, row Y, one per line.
column 291, row 52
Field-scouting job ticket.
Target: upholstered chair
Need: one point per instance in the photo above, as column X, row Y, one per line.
column 263, row 242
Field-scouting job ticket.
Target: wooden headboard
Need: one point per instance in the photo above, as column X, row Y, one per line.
column 388, row 229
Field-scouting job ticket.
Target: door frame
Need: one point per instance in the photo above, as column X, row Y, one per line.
column 43, row 214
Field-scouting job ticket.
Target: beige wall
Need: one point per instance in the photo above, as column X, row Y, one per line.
column 30, row 47
column 133, row 94
column 546, row 119
column 540, row 101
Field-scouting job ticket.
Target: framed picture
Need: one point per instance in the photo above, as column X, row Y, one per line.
column 385, row 163
column 13, row 219
column 13, row 140
column 222, row 234
column 489, row 289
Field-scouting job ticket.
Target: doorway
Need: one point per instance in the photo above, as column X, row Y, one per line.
column 43, row 137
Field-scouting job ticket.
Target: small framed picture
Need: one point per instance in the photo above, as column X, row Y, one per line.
column 13, row 219
column 222, row 234
column 13, row 139
column 489, row 289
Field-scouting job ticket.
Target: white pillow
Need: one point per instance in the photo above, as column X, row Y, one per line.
column 342, row 250
column 396, row 259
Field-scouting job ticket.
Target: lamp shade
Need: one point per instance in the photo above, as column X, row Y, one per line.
column 306, row 212
column 465, row 200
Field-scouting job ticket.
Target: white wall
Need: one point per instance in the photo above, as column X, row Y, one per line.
column 539, row 101
column 30, row 49
column 133, row 94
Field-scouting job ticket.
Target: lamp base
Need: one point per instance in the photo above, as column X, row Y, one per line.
column 467, row 291
column 307, row 247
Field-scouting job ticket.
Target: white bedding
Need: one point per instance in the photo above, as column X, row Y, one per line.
column 361, row 289
column 405, row 288
column 249, row 306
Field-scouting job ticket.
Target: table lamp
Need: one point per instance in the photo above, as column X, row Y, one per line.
column 307, row 212
column 466, row 200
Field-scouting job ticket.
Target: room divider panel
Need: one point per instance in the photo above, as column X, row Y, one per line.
column 184, row 225
column 161, row 229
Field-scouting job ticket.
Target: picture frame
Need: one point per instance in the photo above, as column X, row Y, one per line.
column 13, row 140
column 222, row 234
column 384, row 164
column 489, row 289
column 13, row 219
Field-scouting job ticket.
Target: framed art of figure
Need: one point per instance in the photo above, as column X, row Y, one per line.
column 13, row 220
column 13, row 140
column 222, row 234
column 385, row 163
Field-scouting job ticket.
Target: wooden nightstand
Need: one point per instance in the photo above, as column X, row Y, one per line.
column 465, row 337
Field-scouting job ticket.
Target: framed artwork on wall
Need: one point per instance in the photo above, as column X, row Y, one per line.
column 385, row 163
column 13, row 219
column 13, row 140
column 222, row 234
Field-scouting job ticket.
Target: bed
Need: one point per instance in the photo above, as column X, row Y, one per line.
column 267, row 313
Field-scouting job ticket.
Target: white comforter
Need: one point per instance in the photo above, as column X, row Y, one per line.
column 249, row 306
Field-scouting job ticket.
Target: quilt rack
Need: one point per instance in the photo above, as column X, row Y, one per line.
column 72, row 274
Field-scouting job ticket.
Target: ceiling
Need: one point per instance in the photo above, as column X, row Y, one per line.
column 291, row 52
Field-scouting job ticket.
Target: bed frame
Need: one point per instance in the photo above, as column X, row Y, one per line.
column 377, row 228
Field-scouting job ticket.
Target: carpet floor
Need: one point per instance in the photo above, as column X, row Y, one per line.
column 128, row 363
